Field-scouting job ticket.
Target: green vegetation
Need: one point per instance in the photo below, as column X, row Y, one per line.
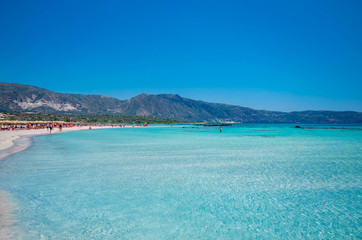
column 93, row 108
column 104, row 119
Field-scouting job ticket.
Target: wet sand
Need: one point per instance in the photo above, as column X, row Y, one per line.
column 12, row 141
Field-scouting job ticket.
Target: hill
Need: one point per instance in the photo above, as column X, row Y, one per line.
column 23, row 98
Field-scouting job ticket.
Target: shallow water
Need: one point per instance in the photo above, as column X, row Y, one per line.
column 251, row 181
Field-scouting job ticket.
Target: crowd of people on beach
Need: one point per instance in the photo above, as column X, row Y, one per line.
column 50, row 126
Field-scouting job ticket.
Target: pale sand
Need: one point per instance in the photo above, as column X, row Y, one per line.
column 9, row 143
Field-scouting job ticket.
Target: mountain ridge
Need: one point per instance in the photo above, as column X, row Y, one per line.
column 26, row 98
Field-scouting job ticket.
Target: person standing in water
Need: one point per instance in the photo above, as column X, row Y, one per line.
column 60, row 127
column 221, row 129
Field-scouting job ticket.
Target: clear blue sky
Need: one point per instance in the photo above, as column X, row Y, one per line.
column 275, row 55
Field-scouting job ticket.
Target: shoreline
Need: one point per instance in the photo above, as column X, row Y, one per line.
column 13, row 141
column 18, row 145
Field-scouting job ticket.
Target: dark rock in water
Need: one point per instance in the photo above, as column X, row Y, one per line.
column 298, row 127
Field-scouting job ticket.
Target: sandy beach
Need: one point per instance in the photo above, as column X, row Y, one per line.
column 12, row 141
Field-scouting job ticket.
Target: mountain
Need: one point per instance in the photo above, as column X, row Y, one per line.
column 176, row 107
column 23, row 98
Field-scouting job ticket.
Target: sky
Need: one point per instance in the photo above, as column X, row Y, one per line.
column 273, row 55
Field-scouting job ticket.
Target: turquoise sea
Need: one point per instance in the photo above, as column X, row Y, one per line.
column 187, row 182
